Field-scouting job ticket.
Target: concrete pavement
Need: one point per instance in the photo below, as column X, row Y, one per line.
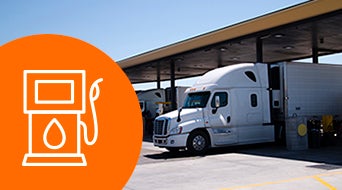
column 248, row 167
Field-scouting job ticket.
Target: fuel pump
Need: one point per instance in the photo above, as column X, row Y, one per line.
column 55, row 100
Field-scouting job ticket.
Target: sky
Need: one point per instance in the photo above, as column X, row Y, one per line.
column 124, row 28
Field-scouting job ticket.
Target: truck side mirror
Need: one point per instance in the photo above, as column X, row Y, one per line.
column 142, row 106
column 217, row 104
column 178, row 117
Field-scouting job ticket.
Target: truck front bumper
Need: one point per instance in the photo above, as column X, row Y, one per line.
column 171, row 141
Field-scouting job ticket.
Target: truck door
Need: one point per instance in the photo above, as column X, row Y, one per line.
column 219, row 119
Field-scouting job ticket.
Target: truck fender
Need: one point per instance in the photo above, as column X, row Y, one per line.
column 189, row 126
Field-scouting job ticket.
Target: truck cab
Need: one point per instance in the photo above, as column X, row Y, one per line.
column 226, row 106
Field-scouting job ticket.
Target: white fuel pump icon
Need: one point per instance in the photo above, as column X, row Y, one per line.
column 54, row 101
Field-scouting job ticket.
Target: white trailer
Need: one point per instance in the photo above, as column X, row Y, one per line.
column 154, row 102
column 148, row 103
column 180, row 96
column 309, row 89
column 245, row 103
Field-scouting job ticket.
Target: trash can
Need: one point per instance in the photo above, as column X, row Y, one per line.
column 296, row 133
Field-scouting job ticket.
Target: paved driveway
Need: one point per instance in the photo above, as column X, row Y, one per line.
column 254, row 167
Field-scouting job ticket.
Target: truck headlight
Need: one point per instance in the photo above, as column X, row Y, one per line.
column 176, row 130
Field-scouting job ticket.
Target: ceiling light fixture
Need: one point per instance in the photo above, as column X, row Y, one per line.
column 222, row 49
column 279, row 35
column 288, row 47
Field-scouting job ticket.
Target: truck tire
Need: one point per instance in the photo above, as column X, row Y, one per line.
column 198, row 142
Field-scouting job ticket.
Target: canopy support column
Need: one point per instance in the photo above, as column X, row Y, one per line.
column 158, row 75
column 259, row 50
column 172, row 85
column 314, row 44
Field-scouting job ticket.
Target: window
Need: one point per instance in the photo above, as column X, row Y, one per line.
column 196, row 100
column 158, row 94
column 223, row 99
column 254, row 100
column 250, row 75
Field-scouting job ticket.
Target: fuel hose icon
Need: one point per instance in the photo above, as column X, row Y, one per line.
column 55, row 100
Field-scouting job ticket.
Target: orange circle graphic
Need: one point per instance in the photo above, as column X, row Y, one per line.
column 70, row 118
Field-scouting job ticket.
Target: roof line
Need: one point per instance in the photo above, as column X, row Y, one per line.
column 282, row 17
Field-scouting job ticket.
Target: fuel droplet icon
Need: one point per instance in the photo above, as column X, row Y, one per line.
column 52, row 123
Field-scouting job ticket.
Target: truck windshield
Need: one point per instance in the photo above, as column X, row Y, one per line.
column 196, row 100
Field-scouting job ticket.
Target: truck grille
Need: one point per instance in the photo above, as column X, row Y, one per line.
column 160, row 126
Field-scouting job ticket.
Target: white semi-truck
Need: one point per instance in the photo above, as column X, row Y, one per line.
column 249, row 103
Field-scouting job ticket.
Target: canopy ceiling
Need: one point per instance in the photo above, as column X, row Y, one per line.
column 309, row 29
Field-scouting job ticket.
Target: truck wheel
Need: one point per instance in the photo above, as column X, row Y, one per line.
column 198, row 142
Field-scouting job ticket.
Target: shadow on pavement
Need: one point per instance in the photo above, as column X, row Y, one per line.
column 328, row 157
column 324, row 155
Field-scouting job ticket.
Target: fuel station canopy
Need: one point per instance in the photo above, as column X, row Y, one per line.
column 310, row 29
